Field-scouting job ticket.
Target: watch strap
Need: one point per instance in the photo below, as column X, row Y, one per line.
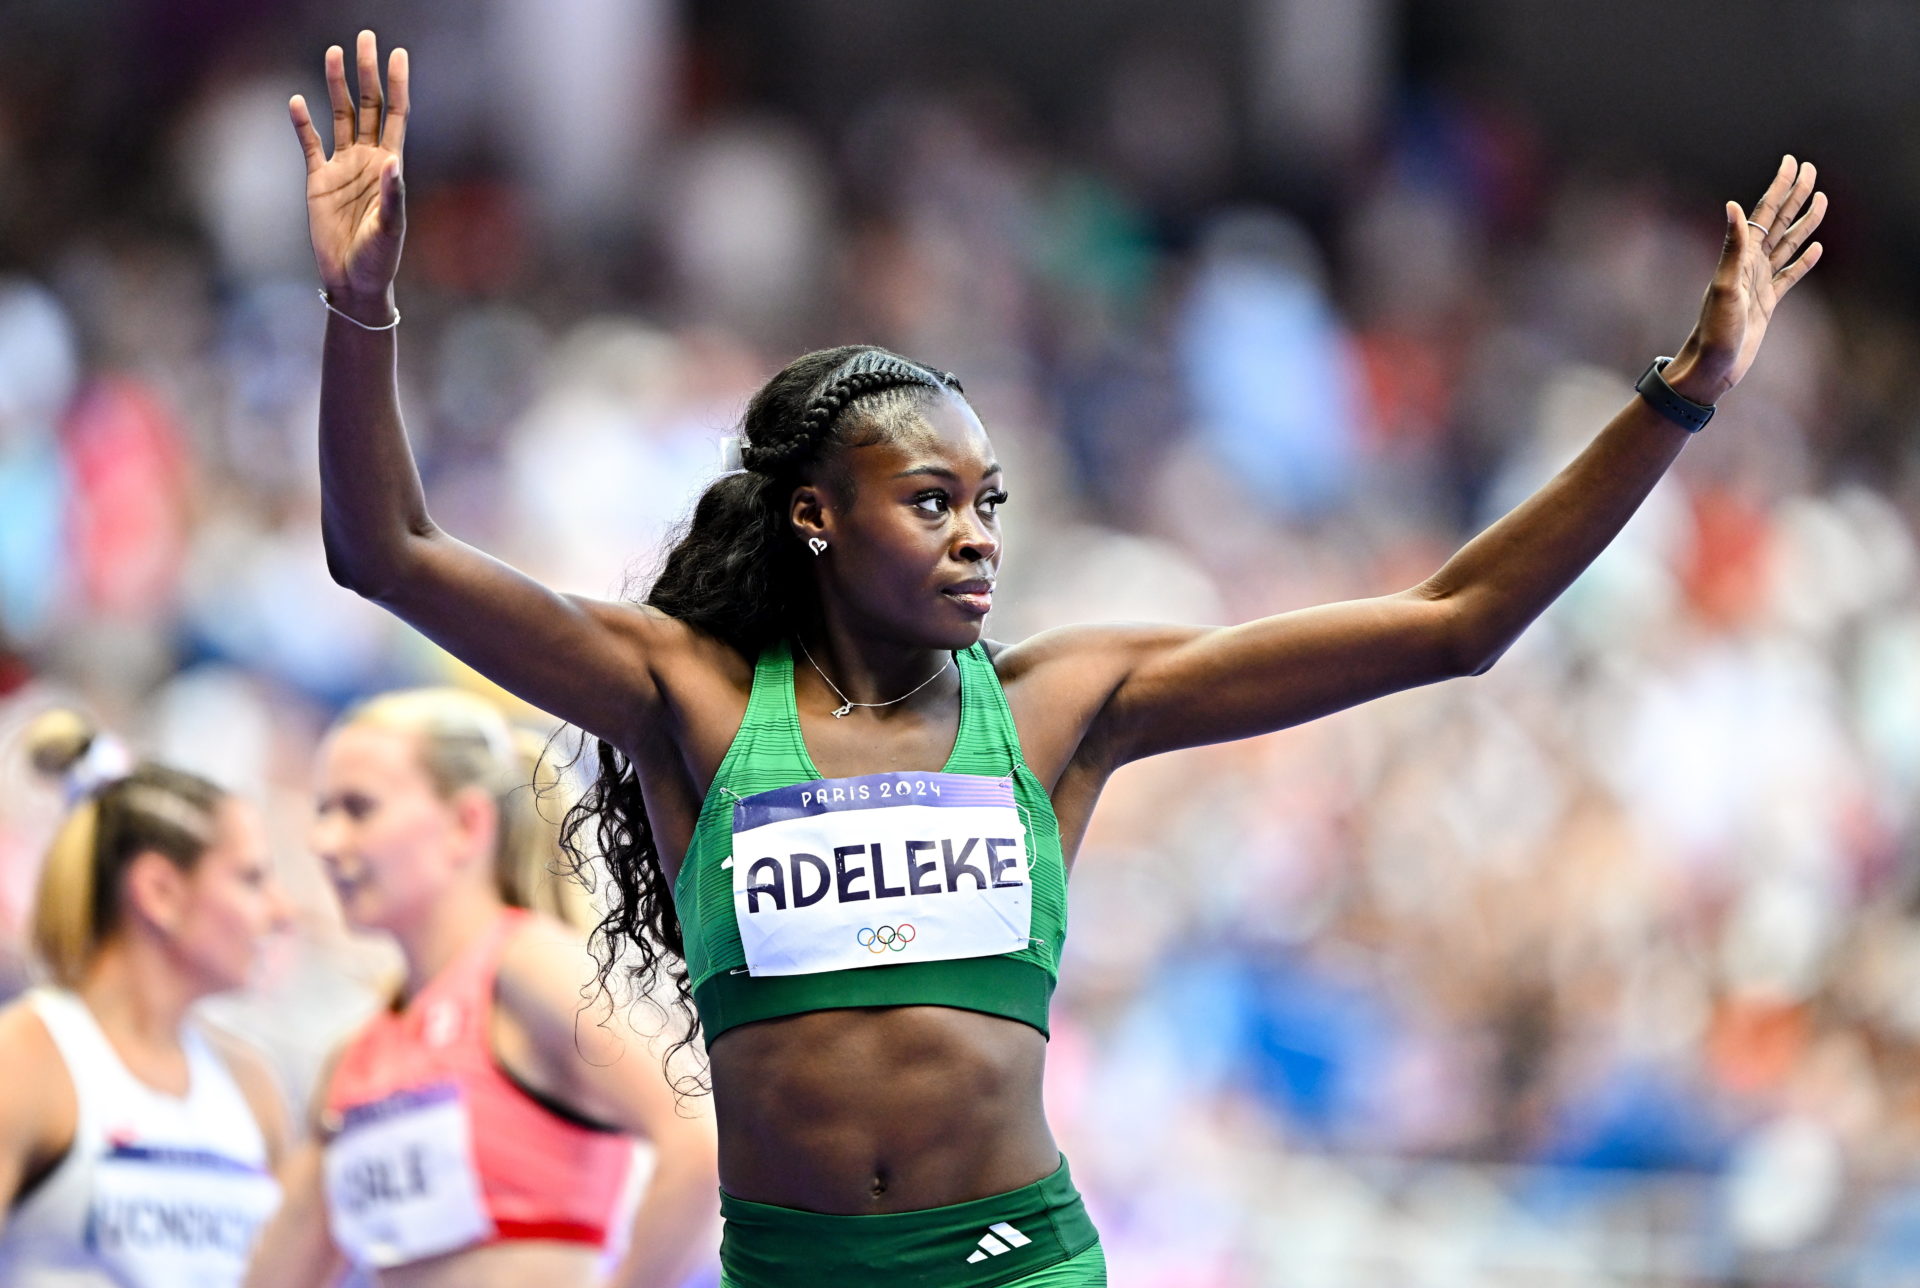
column 1682, row 411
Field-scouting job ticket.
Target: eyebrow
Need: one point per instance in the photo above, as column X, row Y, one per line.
column 941, row 471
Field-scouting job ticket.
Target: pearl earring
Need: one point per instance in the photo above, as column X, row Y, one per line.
column 817, row 544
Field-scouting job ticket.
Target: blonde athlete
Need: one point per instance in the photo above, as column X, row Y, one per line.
column 478, row 1131
column 137, row 1147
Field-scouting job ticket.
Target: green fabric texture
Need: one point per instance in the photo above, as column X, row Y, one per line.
column 1084, row 1270
column 1037, row 1235
column 768, row 753
column 1087, row 1270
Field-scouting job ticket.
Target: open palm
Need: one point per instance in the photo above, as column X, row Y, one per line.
column 1760, row 262
column 356, row 211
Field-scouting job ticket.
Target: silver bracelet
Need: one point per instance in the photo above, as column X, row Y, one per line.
column 334, row 309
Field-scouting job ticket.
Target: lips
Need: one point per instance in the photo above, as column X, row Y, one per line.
column 975, row 594
column 346, row 881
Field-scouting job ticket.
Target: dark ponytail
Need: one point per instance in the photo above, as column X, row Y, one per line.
column 738, row 573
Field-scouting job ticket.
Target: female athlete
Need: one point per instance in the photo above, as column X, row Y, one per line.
column 846, row 815
column 477, row 1132
column 137, row 1147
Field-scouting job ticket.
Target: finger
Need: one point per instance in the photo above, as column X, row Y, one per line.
column 1796, row 199
column 1769, row 203
column 367, row 72
column 1796, row 236
column 393, row 198
column 1733, row 251
column 1789, row 277
column 340, row 101
column 393, row 135
column 308, row 136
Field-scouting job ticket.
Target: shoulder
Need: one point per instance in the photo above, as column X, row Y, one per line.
column 1059, row 682
column 669, row 643
column 665, row 650
column 1102, row 651
column 24, row 1038
column 547, row 990
column 29, row 1057
column 258, row 1083
column 40, row 1109
column 701, row 684
column 541, row 949
column 545, row 973
column 26, row 1044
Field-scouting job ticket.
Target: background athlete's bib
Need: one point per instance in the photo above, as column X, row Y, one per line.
column 873, row 871
column 184, row 1218
column 401, row 1181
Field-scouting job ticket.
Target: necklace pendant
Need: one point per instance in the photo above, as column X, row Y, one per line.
column 843, row 711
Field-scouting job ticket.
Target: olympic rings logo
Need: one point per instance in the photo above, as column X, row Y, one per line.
column 894, row 938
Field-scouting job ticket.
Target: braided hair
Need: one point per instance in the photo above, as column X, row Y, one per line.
column 737, row 573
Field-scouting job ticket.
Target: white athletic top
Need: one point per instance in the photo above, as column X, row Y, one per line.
column 157, row 1191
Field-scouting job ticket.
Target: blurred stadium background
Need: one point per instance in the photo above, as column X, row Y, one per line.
column 1598, row 970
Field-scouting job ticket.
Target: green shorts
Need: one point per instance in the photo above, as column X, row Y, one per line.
column 1038, row 1236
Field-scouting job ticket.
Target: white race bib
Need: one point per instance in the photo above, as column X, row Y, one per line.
column 878, row 870
column 401, row 1181
column 176, row 1218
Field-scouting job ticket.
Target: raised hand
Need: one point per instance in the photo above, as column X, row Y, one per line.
column 356, row 211
column 1758, row 266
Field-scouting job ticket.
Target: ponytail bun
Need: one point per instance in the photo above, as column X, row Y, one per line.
column 57, row 740
column 65, row 745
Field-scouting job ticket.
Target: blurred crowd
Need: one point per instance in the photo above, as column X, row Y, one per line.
column 1593, row 970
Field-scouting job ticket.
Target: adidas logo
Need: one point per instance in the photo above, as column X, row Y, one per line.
column 999, row 1238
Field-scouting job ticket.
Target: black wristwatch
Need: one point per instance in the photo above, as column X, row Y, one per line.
column 1684, row 412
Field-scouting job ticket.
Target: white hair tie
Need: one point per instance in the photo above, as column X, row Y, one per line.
column 732, row 459
column 106, row 761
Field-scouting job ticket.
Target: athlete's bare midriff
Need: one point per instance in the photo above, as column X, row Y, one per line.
column 862, row 1112
column 501, row 1265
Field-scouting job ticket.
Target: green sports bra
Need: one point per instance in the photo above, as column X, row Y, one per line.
column 895, row 889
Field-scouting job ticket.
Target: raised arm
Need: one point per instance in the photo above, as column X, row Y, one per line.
column 1182, row 687
column 587, row 661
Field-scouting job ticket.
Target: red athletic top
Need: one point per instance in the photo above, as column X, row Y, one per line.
column 542, row 1172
